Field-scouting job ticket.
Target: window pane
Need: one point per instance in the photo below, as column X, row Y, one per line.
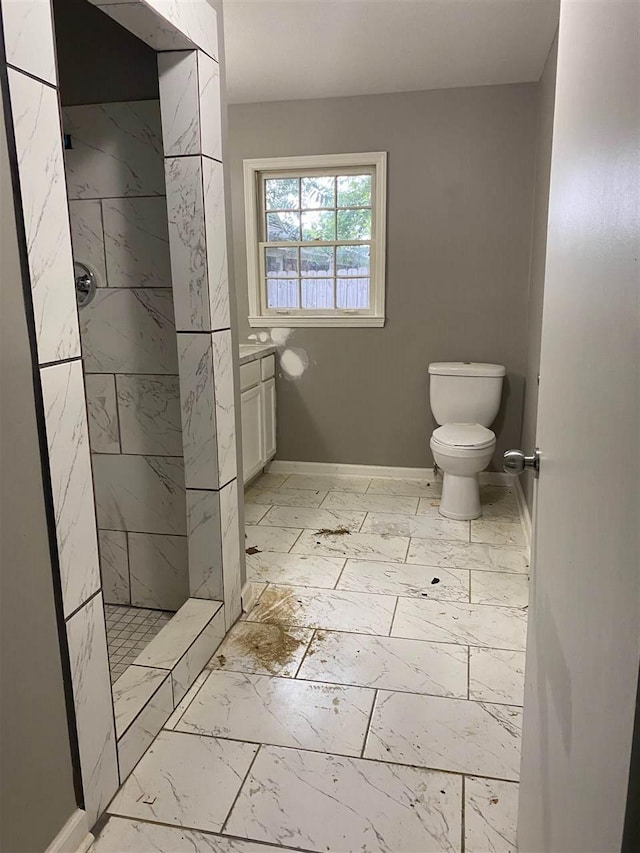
column 319, row 225
column 318, row 192
column 316, row 260
column 317, row 293
column 283, row 226
column 352, row 293
column 282, row 293
column 281, row 193
column 354, row 225
column 354, row 191
column 353, row 260
column 281, row 263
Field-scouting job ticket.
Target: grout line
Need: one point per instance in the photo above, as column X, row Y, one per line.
column 462, row 818
column 341, row 572
column 469, row 673
column 302, row 660
column 393, row 616
column 367, row 730
column 235, row 799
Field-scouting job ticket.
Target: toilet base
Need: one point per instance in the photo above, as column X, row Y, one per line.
column 460, row 497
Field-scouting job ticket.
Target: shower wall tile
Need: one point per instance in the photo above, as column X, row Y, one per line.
column 198, row 655
column 140, row 20
column 225, row 406
column 133, row 130
column 135, row 740
column 158, row 570
column 143, row 494
column 136, row 241
column 149, row 412
column 205, row 544
column 130, row 331
column 198, row 22
column 104, row 435
column 178, row 72
column 44, row 202
column 114, row 566
column 216, row 236
column 28, row 35
column 70, row 469
column 86, row 635
column 185, row 206
column 210, row 106
column 198, row 410
column 230, row 552
column 87, row 236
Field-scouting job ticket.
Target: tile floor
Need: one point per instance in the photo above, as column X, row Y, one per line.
column 370, row 701
column 129, row 631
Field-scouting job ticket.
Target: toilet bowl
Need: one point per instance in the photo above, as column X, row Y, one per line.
column 462, row 451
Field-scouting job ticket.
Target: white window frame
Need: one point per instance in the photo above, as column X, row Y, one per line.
column 259, row 315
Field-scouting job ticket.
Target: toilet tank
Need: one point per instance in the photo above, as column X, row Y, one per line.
column 465, row 392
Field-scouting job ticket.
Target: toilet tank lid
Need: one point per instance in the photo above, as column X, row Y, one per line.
column 466, row 368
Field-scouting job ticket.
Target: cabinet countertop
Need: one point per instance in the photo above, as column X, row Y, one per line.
column 251, row 352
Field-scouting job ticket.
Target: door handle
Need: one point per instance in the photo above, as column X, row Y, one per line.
column 515, row 462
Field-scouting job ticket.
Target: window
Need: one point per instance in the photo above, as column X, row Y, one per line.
column 316, row 240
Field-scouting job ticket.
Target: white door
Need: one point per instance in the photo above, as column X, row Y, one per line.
column 583, row 644
column 269, row 418
column 251, row 417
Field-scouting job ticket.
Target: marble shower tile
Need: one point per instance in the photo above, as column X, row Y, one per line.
column 280, row 711
column 294, row 569
column 417, row 526
column 114, row 566
column 136, row 242
column 283, row 497
column 474, row 555
column 278, row 539
column 318, row 608
column 447, row 734
column 198, row 654
column 87, row 236
column 231, row 544
column 499, row 588
column 430, row 487
column 149, row 414
column 132, row 691
column 210, row 106
column 364, row 546
column 44, row 203
column 86, row 635
column 159, row 571
column 185, row 208
column 195, row 355
column 253, row 513
column 494, row 532
column 71, row 482
column 120, row 834
column 387, row 663
column 149, row 27
column 197, row 21
column 370, row 503
column 496, row 676
column 225, row 406
column 143, row 494
column 402, row 579
column 169, row 646
column 138, row 737
column 490, row 815
column 29, row 38
column 325, row 482
column 186, row 700
column 104, row 434
column 133, row 130
column 315, row 519
column 178, row 74
column 327, row 802
column 216, row 236
column 130, row 331
column 185, row 780
column 262, row 649
column 204, row 544
column 456, row 622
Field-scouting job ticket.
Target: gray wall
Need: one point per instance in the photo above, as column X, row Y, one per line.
column 461, row 169
column 34, row 741
column 546, row 95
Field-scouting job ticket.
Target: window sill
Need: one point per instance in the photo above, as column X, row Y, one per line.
column 291, row 322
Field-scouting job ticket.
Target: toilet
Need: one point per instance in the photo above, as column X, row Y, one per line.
column 465, row 398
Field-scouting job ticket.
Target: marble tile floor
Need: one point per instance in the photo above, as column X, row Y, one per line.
column 371, row 700
column 129, row 631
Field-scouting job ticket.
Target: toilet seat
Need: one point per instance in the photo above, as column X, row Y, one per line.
column 462, row 439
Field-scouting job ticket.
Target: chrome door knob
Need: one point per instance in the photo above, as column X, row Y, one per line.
column 515, row 462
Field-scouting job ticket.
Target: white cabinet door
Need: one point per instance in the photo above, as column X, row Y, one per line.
column 269, row 418
column 252, row 432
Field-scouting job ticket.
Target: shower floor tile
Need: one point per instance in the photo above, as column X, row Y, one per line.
column 129, row 631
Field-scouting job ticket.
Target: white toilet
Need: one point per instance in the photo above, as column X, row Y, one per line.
column 465, row 398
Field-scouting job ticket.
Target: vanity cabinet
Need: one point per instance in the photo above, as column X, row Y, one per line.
column 258, row 414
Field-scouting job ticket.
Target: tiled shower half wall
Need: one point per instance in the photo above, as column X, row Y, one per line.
column 116, row 187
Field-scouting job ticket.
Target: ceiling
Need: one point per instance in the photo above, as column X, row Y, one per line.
column 289, row 49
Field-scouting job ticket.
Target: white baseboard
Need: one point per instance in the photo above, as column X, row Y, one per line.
column 74, row 837
column 279, row 466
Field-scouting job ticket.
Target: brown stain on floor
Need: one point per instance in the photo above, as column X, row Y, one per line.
column 277, row 607
column 272, row 649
